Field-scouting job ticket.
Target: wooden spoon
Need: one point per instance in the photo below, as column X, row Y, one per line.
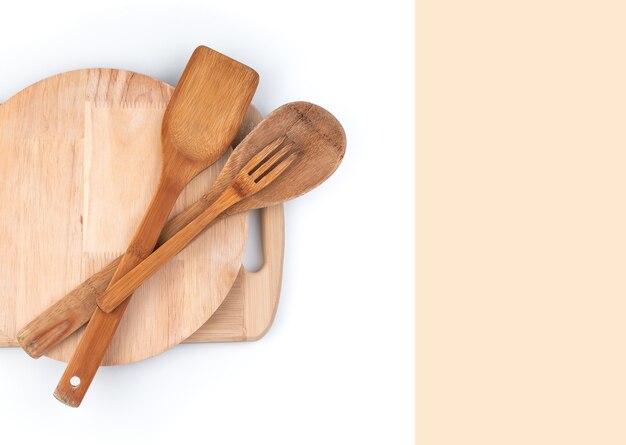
column 200, row 122
column 69, row 313
column 313, row 141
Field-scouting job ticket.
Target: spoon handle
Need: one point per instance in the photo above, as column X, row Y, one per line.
column 95, row 341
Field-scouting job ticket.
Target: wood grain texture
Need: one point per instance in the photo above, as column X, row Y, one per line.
column 51, row 222
column 250, row 306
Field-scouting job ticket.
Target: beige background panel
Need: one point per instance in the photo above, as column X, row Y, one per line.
column 521, row 176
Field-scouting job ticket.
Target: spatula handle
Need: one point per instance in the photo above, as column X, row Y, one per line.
column 84, row 364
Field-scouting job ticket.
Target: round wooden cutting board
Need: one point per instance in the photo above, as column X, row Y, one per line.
column 80, row 157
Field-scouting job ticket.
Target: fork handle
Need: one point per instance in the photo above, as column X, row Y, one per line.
column 117, row 293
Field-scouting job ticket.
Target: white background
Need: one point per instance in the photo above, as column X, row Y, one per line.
column 338, row 365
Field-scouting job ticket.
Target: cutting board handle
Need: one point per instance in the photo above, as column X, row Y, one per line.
column 268, row 279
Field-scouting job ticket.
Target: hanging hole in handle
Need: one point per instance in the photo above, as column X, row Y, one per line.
column 253, row 254
column 75, row 381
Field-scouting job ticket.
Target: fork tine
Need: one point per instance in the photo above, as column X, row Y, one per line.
column 256, row 161
column 269, row 163
column 277, row 170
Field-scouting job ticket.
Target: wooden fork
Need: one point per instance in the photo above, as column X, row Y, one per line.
column 260, row 171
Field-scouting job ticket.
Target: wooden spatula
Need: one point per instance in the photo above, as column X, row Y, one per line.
column 302, row 142
column 200, row 122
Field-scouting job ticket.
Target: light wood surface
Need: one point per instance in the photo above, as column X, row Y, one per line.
column 57, row 145
column 6, row 341
column 250, row 306
column 301, row 141
column 200, row 122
